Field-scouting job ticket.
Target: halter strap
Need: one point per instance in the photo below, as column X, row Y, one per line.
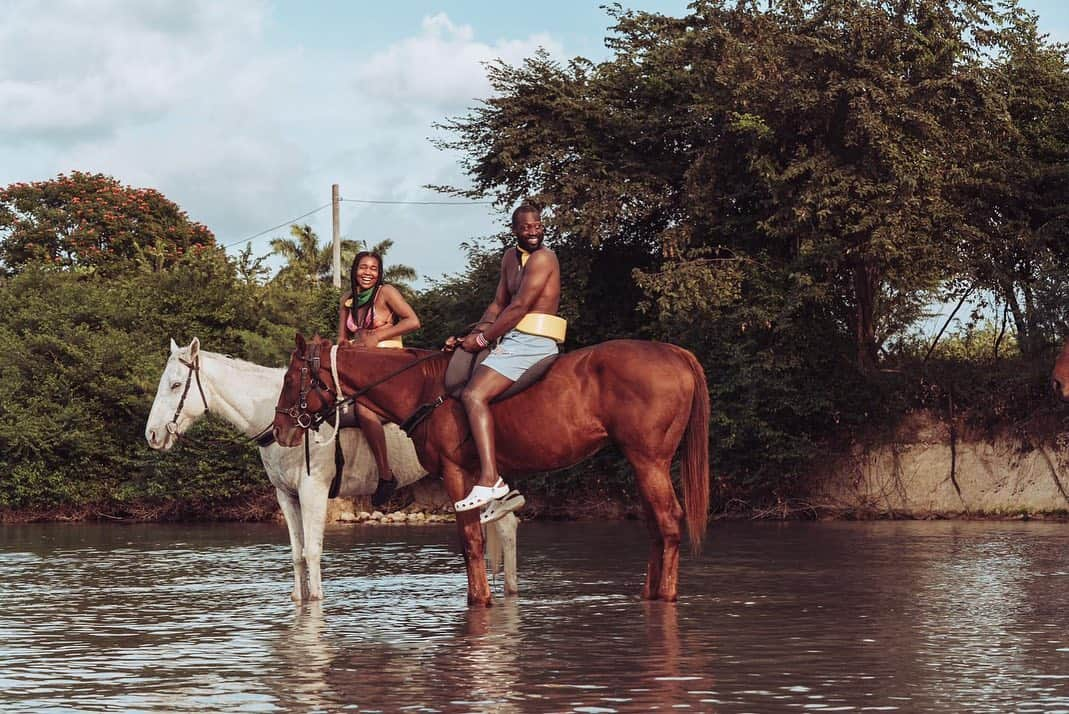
column 194, row 369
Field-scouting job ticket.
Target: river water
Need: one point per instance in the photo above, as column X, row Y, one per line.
column 886, row 616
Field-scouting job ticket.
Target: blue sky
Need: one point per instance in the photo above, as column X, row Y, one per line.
column 244, row 112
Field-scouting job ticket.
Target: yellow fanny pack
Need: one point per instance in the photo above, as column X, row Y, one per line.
column 395, row 344
column 543, row 325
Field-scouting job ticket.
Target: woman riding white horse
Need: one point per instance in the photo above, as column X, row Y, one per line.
column 195, row 381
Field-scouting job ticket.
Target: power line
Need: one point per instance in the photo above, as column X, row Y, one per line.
column 280, row 225
column 419, row 203
column 360, row 200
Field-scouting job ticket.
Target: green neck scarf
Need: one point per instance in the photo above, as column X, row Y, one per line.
column 363, row 297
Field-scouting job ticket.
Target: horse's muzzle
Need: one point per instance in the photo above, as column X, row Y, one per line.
column 287, row 436
column 160, row 439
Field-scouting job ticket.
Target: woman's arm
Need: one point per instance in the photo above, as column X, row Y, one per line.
column 406, row 317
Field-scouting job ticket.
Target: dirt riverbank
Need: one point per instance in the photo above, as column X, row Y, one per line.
column 927, row 468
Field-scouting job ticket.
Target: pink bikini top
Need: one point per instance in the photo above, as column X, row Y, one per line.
column 368, row 323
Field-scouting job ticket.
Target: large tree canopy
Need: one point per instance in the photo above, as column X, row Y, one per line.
column 91, row 221
column 823, row 140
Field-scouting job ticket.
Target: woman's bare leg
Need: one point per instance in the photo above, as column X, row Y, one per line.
column 376, row 439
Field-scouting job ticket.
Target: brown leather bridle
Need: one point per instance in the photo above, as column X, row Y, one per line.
column 310, row 382
column 194, row 369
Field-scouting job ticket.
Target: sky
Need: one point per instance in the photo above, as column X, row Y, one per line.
column 245, row 112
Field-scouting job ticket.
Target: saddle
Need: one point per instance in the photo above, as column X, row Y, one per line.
column 462, row 365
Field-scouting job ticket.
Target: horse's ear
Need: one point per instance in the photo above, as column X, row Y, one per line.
column 174, row 346
column 301, row 344
column 194, row 348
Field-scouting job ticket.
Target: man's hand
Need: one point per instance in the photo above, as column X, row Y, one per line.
column 450, row 344
column 470, row 343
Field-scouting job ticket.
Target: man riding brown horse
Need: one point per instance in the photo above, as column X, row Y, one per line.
column 528, row 292
column 648, row 399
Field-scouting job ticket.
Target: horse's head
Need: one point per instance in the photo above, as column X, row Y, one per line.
column 179, row 399
column 306, row 391
column 1059, row 378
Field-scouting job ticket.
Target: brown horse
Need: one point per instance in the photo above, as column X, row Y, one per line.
column 645, row 397
column 1059, row 378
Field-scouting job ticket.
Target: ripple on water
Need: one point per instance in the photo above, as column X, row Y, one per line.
column 822, row 617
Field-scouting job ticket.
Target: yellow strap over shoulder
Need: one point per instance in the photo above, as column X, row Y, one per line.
column 543, row 325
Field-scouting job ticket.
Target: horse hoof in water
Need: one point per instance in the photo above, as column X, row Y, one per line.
column 474, row 601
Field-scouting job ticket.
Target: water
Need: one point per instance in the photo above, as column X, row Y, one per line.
column 896, row 616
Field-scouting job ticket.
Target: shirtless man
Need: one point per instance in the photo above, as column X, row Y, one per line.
column 529, row 283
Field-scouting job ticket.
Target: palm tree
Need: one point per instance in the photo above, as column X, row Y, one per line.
column 310, row 264
column 398, row 275
column 306, row 262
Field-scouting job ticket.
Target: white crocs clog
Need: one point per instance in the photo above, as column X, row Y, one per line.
column 495, row 510
column 481, row 495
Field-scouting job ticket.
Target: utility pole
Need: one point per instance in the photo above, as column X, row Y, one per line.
column 335, row 203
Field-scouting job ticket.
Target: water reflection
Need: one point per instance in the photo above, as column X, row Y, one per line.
column 824, row 617
column 306, row 657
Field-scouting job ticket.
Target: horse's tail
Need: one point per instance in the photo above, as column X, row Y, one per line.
column 694, row 464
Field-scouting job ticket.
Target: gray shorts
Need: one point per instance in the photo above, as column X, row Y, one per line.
column 517, row 352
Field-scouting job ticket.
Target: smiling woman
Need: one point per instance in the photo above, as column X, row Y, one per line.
column 374, row 314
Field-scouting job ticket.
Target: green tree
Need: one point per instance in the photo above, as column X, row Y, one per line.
column 85, row 353
column 1018, row 194
column 92, row 222
column 818, row 138
column 308, row 263
column 772, row 184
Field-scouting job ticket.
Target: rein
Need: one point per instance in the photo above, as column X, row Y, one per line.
column 307, row 420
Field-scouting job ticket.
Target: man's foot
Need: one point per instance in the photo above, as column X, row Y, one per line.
column 481, row 495
column 383, row 492
column 498, row 509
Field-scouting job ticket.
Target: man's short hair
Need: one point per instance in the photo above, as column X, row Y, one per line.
column 525, row 207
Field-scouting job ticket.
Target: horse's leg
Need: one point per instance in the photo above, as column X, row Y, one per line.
column 291, row 510
column 471, row 538
column 501, row 549
column 664, row 516
column 314, row 491
column 656, row 561
column 506, row 535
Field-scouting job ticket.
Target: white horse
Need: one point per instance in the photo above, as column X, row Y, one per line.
column 244, row 394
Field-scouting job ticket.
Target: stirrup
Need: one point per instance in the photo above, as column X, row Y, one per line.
column 499, row 508
column 481, row 495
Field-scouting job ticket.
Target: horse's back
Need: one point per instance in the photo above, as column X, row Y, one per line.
column 627, row 364
column 624, row 391
column 593, row 384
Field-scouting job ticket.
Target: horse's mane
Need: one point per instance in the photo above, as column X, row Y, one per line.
column 432, row 368
column 435, row 368
column 238, row 363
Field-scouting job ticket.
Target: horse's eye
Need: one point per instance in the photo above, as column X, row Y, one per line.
column 175, row 385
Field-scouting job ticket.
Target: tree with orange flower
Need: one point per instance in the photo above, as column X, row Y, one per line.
column 92, row 222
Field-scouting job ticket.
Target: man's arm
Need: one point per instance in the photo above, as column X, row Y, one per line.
column 501, row 298
column 500, row 301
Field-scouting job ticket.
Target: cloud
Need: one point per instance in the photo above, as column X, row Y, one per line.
column 442, row 67
column 244, row 129
column 74, row 70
